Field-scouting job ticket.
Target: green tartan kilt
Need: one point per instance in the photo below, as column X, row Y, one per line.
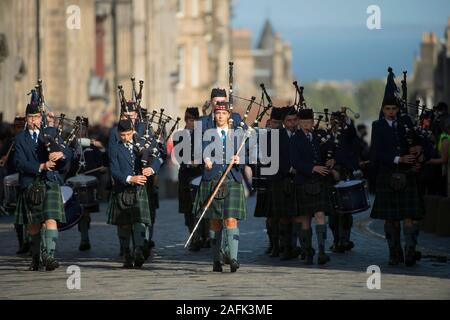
column 233, row 206
column 395, row 205
column 262, row 203
column 153, row 197
column 308, row 204
column 52, row 208
column 140, row 213
column 282, row 198
column 186, row 197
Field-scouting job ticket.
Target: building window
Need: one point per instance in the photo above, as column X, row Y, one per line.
column 195, row 67
column 194, row 8
column 181, row 66
column 208, row 6
column 180, row 8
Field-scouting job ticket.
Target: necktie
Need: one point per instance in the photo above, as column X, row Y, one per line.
column 310, row 137
column 34, row 136
column 224, row 136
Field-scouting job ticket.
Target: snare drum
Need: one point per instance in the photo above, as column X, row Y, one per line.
column 351, row 197
column 84, row 189
column 72, row 209
column 11, row 189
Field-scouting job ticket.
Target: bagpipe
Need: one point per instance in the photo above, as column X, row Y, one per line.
column 152, row 143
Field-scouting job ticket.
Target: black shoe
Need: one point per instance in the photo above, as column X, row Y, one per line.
column 195, row 246
column 217, row 266
column 84, row 246
column 309, row 255
column 34, row 264
column 146, row 252
column 410, row 257
column 24, row 248
column 50, row 263
column 349, row 246
column 322, row 258
column 234, row 265
column 139, row 259
column 128, row 264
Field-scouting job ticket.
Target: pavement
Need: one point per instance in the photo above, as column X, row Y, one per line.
column 176, row 273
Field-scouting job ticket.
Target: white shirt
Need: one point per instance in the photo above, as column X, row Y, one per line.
column 219, row 131
column 33, row 131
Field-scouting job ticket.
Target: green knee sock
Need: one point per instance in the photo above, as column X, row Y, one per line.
column 233, row 242
column 124, row 238
column 225, row 247
column 51, row 237
column 139, row 231
column 43, row 242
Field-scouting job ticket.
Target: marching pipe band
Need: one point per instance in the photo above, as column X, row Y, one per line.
column 319, row 176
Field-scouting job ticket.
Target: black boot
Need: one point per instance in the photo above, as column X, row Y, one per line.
column 35, row 263
column 139, row 258
column 321, row 232
column 234, row 265
column 128, row 259
column 306, row 243
column 389, row 232
column 275, row 239
column 217, row 266
column 410, row 246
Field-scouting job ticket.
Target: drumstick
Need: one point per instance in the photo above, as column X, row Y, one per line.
column 93, row 170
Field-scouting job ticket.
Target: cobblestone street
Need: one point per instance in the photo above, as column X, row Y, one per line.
column 175, row 273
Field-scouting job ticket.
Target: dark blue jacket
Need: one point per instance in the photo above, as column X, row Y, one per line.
column 386, row 145
column 29, row 156
column 121, row 165
column 304, row 156
column 284, row 156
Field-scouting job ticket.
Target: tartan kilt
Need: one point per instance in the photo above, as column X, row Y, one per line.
column 153, row 197
column 186, row 197
column 233, row 206
column 392, row 205
column 282, row 202
column 262, row 203
column 308, row 204
column 136, row 214
column 52, row 208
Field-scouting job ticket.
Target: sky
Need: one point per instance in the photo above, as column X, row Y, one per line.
column 330, row 39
